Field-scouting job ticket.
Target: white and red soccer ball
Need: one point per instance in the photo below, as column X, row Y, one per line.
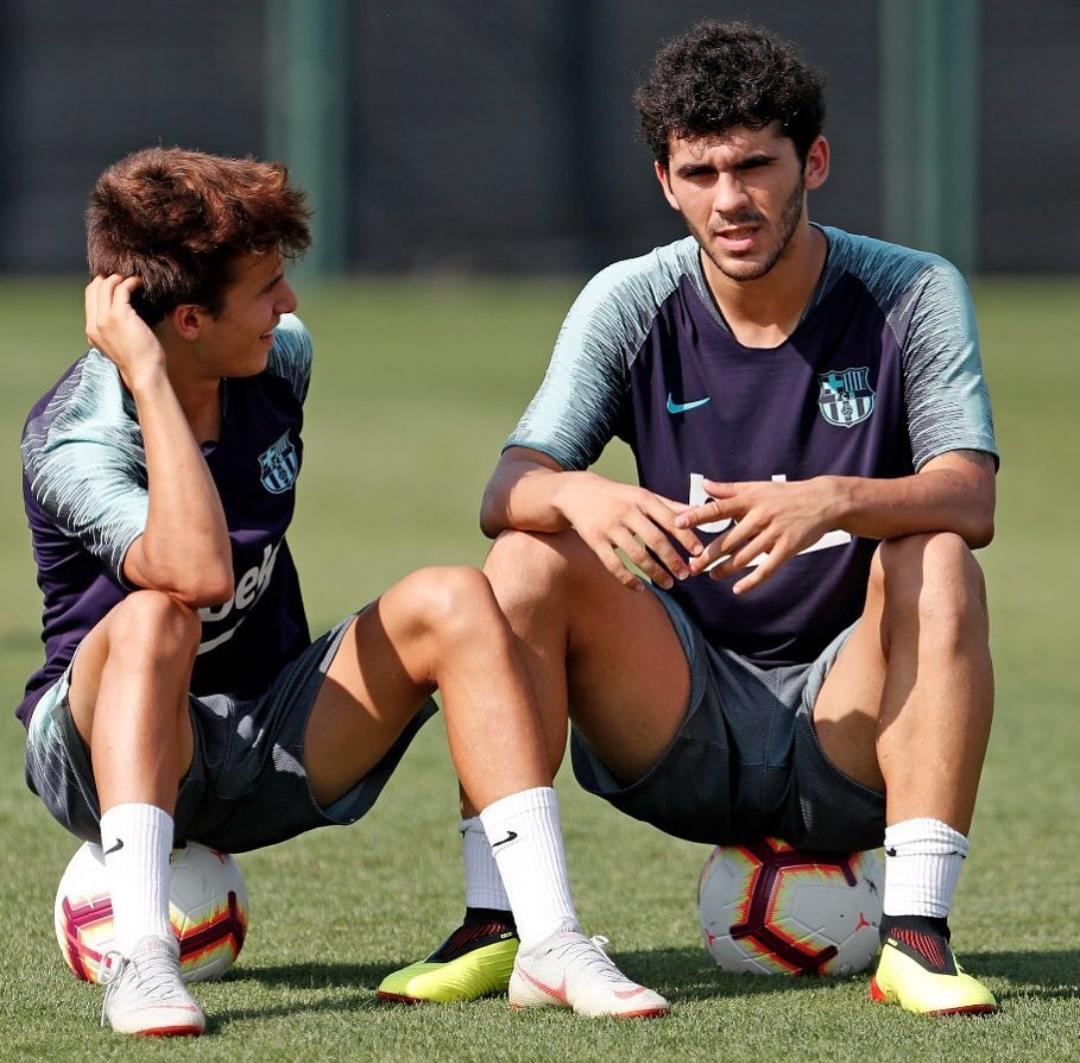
column 208, row 909
column 768, row 908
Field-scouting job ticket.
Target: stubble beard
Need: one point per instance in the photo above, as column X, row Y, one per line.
column 787, row 225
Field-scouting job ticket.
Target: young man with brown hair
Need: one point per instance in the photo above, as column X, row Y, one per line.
column 816, row 462
column 181, row 696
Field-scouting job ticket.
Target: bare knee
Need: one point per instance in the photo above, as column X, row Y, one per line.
column 935, row 579
column 151, row 626
column 532, row 566
column 452, row 603
column 144, row 651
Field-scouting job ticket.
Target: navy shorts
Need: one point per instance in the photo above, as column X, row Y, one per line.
column 246, row 786
column 746, row 762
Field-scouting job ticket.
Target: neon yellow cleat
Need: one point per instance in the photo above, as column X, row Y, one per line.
column 918, row 971
column 475, row 961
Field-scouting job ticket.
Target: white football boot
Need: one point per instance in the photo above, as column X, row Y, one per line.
column 145, row 995
column 570, row 970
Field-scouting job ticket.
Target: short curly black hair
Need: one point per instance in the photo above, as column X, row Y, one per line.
column 725, row 74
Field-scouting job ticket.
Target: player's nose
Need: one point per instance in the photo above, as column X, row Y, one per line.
column 287, row 301
column 729, row 196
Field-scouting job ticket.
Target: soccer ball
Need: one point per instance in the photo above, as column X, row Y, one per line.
column 768, row 908
column 208, row 909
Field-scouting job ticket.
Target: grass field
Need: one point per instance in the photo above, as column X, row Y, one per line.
column 415, row 388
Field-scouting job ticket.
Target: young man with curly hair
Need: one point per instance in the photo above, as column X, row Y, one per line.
column 181, row 695
column 816, row 463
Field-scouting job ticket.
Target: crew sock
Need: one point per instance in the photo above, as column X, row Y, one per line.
column 527, row 844
column 923, row 858
column 137, row 840
column 483, row 884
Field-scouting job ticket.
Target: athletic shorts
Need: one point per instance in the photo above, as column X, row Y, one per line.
column 246, row 786
column 746, row 762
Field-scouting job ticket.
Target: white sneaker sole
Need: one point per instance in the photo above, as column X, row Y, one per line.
column 160, row 1022
column 536, row 994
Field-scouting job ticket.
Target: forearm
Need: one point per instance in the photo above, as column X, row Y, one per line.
column 524, row 495
column 938, row 500
column 185, row 548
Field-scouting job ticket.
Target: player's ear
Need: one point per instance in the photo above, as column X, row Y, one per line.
column 816, row 169
column 186, row 320
column 664, row 177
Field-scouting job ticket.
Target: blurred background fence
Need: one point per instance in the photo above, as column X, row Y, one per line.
column 499, row 136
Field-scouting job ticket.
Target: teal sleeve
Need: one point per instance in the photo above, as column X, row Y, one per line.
column 577, row 408
column 948, row 405
column 291, row 354
column 85, row 464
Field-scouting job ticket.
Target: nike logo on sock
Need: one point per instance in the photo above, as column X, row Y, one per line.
column 510, row 836
column 116, row 848
column 951, row 852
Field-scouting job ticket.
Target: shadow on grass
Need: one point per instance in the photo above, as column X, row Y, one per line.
column 688, row 974
column 1045, row 974
column 361, row 976
column 683, row 974
column 218, row 1023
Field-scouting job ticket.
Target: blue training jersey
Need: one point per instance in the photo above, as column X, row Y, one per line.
column 85, row 493
column 882, row 374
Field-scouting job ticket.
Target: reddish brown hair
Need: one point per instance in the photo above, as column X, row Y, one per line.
column 178, row 219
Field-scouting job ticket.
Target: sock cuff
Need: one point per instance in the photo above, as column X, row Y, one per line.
column 538, row 799
column 483, row 884
column 135, row 815
column 136, row 839
column 924, row 837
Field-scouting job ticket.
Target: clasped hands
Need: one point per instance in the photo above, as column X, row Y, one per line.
column 771, row 522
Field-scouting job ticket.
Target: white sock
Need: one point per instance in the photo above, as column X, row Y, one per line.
column 137, row 840
column 483, row 884
column 923, row 858
column 527, row 844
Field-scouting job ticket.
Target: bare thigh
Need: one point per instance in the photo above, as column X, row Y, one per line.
column 129, row 697
column 437, row 627
column 363, row 705
column 604, row 654
column 847, row 709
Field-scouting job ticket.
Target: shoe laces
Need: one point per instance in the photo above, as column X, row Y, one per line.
column 155, row 970
column 589, row 954
column 109, row 974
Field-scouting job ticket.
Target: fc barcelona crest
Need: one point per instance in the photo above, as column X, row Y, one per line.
column 846, row 397
column 279, row 465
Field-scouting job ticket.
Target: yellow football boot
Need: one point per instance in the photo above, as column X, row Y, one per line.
column 918, row 971
column 475, row 961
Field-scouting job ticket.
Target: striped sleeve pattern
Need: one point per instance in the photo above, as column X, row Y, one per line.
column 291, row 354
column 577, row 408
column 929, row 310
column 948, row 405
column 85, row 464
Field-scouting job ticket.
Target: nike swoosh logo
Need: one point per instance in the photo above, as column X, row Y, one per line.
column 682, row 407
column 626, row 994
column 510, row 836
column 558, row 994
column 116, row 848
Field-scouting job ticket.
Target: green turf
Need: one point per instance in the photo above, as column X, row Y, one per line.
column 415, row 388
